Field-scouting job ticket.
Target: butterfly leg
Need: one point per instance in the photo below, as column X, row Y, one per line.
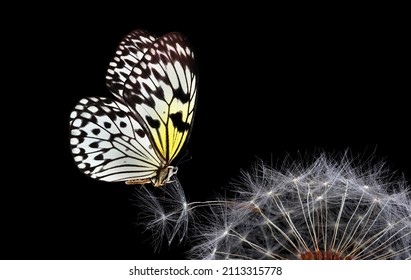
column 138, row 181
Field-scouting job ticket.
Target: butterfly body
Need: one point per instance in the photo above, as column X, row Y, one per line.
column 135, row 137
column 162, row 177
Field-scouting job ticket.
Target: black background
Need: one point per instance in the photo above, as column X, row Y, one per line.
column 273, row 82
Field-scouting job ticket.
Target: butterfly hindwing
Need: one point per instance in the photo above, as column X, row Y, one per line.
column 162, row 91
column 108, row 144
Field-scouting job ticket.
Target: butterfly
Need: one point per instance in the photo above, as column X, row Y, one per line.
column 136, row 136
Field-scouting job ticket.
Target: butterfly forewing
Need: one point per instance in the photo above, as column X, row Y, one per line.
column 162, row 90
column 129, row 52
column 108, row 144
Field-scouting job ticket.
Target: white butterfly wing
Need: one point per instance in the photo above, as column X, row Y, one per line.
column 162, row 91
column 135, row 138
column 109, row 145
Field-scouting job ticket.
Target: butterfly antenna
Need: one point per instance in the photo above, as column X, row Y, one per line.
column 184, row 158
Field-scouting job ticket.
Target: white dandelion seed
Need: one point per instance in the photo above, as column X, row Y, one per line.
column 332, row 208
column 327, row 210
column 164, row 212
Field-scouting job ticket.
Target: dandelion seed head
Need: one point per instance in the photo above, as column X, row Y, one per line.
column 322, row 210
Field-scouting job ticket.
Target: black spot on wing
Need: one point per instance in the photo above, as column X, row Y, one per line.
column 180, row 95
column 121, row 114
column 140, row 133
column 177, row 119
column 99, row 157
column 132, row 98
column 152, row 122
column 96, row 131
column 94, row 145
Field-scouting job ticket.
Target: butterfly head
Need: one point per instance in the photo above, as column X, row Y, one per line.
column 164, row 176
